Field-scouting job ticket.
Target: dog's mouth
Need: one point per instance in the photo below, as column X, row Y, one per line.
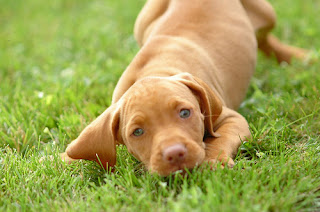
column 178, row 168
column 182, row 169
column 172, row 157
column 165, row 167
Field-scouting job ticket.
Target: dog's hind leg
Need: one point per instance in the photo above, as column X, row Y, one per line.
column 263, row 19
column 147, row 18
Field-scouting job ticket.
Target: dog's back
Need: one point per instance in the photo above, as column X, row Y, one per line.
column 211, row 39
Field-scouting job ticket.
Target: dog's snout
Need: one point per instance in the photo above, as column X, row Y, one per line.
column 174, row 154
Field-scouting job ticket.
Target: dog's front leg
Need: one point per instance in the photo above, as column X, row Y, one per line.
column 231, row 129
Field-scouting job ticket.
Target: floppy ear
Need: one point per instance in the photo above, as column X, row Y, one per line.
column 210, row 104
column 97, row 142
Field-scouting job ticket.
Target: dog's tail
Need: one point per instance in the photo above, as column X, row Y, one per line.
column 284, row 53
column 263, row 19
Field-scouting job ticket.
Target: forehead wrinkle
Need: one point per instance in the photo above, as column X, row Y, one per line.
column 153, row 93
column 138, row 119
column 156, row 83
column 175, row 102
column 158, row 96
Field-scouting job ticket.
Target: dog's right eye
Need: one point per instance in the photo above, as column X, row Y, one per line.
column 138, row 132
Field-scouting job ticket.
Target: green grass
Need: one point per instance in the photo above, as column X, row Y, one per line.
column 59, row 63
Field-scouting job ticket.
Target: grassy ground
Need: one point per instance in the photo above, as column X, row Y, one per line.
column 59, row 63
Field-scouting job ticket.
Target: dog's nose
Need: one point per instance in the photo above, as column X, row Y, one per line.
column 174, row 154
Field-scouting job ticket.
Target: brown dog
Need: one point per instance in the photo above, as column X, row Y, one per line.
column 174, row 106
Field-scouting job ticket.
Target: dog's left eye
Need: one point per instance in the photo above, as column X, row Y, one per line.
column 184, row 113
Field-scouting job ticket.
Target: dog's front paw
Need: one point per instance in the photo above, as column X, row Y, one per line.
column 66, row 158
column 220, row 161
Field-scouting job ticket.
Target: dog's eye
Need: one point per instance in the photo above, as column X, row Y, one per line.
column 185, row 113
column 138, row 132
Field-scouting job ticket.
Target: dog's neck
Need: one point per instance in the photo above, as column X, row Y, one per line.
column 165, row 60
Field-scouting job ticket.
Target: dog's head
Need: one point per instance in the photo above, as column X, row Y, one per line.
column 161, row 120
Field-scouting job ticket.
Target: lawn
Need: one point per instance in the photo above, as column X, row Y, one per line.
column 59, row 63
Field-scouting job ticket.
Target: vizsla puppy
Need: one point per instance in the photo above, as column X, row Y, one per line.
column 175, row 105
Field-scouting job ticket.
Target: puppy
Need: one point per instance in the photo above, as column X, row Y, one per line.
column 175, row 105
